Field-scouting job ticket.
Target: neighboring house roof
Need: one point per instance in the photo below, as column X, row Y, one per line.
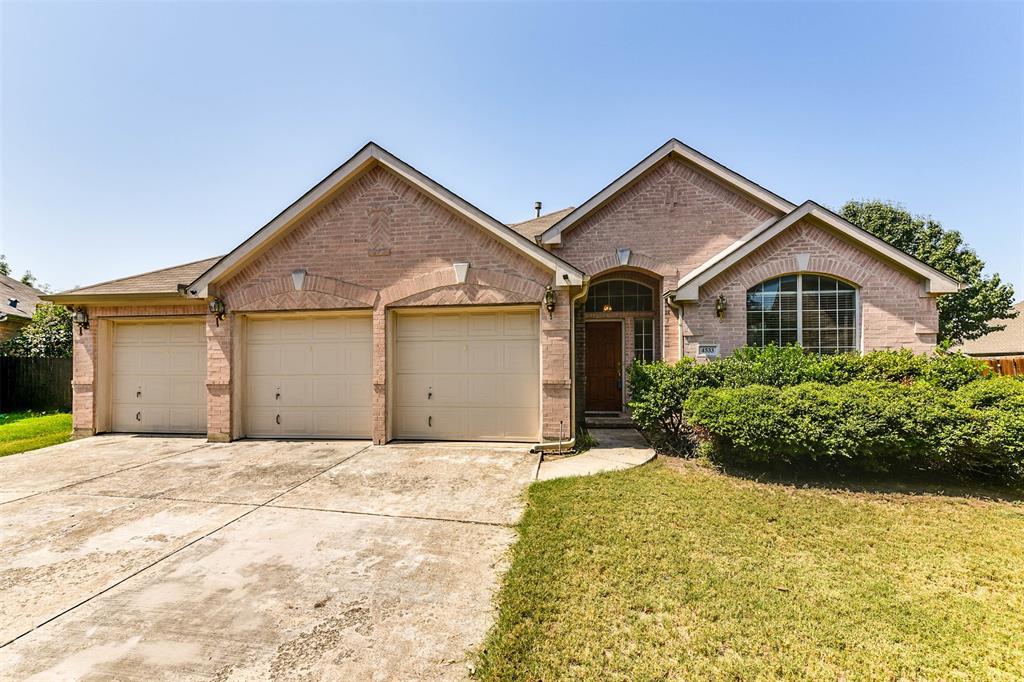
column 26, row 296
column 370, row 155
column 532, row 228
column 760, row 195
column 156, row 283
column 1008, row 341
column 689, row 285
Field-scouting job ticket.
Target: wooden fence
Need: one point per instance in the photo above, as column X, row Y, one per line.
column 35, row 384
column 1007, row 366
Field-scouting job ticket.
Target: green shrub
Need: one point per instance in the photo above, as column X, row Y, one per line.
column 659, row 389
column 867, row 426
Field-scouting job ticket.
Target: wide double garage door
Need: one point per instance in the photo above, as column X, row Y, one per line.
column 454, row 376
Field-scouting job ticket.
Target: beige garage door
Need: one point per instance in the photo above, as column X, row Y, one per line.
column 159, row 377
column 467, row 376
column 309, row 377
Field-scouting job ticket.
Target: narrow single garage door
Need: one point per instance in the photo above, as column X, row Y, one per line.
column 309, row 377
column 467, row 376
column 159, row 377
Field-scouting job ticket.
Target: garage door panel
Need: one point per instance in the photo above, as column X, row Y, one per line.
column 450, row 357
column 413, row 356
column 295, row 358
column 321, row 366
column 448, row 326
column 485, row 356
column 521, row 356
column 158, row 377
column 481, row 371
column 521, row 325
column 484, row 324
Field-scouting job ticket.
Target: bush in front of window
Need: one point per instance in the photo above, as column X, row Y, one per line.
column 659, row 390
column 975, row 431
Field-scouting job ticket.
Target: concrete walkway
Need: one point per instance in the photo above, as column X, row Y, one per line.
column 616, row 449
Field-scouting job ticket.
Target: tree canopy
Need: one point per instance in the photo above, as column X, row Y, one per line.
column 967, row 314
column 48, row 335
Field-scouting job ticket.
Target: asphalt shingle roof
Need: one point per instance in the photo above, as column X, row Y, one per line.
column 1009, row 341
column 26, row 296
column 531, row 228
column 163, row 281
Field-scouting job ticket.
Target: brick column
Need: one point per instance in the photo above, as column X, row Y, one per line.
column 555, row 369
column 218, row 379
column 380, row 345
column 83, row 381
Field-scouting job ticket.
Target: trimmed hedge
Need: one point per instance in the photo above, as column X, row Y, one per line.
column 977, row 430
column 883, row 411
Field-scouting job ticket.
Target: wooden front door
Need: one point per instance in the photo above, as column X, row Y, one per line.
column 604, row 366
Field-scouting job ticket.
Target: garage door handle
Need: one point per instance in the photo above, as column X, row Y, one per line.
column 278, row 419
column 277, row 396
column 138, row 394
column 430, row 421
column 138, row 416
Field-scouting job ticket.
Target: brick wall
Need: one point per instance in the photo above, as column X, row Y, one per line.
column 381, row 243
column 672, row 219
column 895, row 311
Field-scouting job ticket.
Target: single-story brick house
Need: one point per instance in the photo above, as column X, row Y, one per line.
column 381, row 305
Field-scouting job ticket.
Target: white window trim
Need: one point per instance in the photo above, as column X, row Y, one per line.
column 858, row 341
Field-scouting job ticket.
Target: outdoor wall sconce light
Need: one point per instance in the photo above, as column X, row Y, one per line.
column 81, row 319
column 549, row 301
column 218, row 309
column 721, row 305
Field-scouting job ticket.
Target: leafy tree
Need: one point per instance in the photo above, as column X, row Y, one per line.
column 5, row 268
column 965, row 314
column 48, row 335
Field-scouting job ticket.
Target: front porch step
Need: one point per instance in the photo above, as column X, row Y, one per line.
column 619, row 421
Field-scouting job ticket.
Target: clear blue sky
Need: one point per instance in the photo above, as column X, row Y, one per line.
column 138, row 136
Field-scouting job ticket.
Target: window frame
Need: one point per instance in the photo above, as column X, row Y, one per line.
column 858, row 336
column 644, row 335
column 609, row 281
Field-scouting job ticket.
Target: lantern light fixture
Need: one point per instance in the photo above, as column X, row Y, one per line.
column 218, row 309
column 81, row 319
column 721, row 305
column 549, row 301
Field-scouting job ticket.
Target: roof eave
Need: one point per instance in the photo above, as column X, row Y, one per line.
column 128, row 298
column 553, row 235
column 935, row 282
column 363, row 160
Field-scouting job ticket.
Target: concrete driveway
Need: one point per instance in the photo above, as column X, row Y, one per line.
column 138, row 558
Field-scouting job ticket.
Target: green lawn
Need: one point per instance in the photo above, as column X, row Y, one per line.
column 674, row 571
column 21, row 431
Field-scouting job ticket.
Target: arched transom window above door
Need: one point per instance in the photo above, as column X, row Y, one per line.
column 619, row 295
column 820, row 313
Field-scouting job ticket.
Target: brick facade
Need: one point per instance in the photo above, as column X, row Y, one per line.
column 895, row 310
column 381, row 243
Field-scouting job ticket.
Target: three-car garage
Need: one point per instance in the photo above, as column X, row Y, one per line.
column 452, row 374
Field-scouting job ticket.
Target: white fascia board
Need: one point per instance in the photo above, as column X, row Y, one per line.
column 369, row 154
column 688, row 289
column 553, row 235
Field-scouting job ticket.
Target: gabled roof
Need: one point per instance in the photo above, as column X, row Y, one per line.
column 153, row 284
column 771, row 201
column 689, row 285
column 370, row 155
column 26, row 296
column 532, row 228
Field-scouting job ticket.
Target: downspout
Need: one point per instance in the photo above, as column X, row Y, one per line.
column 670, row 299
column 571, row 443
